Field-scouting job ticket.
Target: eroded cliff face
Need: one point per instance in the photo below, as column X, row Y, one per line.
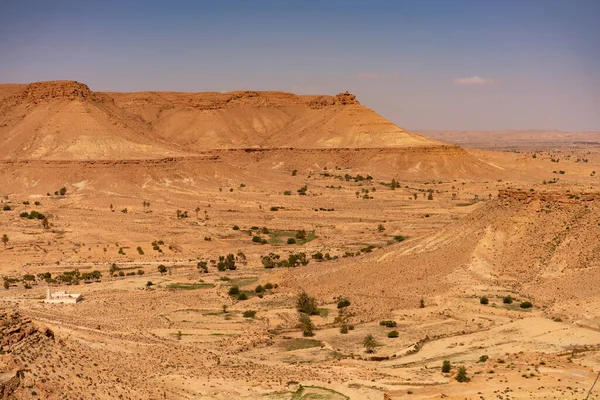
column 22, row 342
column 39, row 92
column 553, row 196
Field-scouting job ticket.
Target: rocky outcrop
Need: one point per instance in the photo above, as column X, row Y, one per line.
column 343, row 99
column 56, row 90
column 555, row 196
column 16, row 331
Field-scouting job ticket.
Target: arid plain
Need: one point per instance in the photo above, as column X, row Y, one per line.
column 191, row 223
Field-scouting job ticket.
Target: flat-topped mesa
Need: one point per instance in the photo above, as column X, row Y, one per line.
column 56, row 90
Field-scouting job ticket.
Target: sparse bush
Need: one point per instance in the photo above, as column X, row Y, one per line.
column 162, row 269
column 234, row 291
column 388, row 323
column 461, row 375
column 369, row 343
column 306, row 325
column 256, row 239
column 526, row 304
column 249, row 314
column 268, row 286
column 483, row 358
column 446, row 366
column 393, row 334
column 343, row 303
column 306, row 304
column 484, row 300
column 507, row 300
column 344, row 328
column 242, row 296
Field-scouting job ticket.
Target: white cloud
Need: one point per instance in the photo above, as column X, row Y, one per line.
column 473, row 80
column 371, row 75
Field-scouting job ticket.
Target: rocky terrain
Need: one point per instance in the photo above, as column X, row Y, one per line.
column 193, row 223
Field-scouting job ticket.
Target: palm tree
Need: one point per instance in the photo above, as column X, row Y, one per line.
column 369, row 343
column 5, row 239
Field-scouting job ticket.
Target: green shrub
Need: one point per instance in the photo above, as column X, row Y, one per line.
column 483, row 358
column 344, row 328
column 259, row 289
column 526, row 304
column 256, row 239
column 507, row 300
column 306, row 304
column 446, row 366
column 400, row 238
column 291, row 241
column 306, row 325
column 249, row 314
column 268, row 286
column 393, row 334
column 343, row 303
column 234, row 291
column 461, row 375
column 242, row 296
column 236, row 228
column 484, row 300
column 6, row 208
column 388, row 323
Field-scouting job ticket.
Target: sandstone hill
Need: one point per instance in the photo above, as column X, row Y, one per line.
column 203, row 121
column 537, row 245
column 65, row 120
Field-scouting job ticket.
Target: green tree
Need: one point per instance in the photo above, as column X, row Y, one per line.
column 446, row 366
column 306, row 304
column 461, row 375
column 162, row 269
column 369, row 343
column 306, row 325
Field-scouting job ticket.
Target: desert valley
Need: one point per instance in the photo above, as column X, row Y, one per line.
column 267, row 245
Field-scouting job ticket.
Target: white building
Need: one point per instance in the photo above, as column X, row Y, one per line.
column 62, row 297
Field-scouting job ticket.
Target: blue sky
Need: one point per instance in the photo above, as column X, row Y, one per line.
column 423, row 64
